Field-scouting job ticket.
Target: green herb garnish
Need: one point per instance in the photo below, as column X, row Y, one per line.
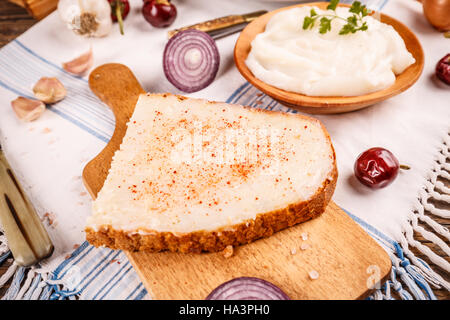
column 353, row 24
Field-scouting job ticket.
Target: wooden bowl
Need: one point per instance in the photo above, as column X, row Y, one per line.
column 331, row 104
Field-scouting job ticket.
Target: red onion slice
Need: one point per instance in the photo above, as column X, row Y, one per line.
column 247, row 288
column 191, row 60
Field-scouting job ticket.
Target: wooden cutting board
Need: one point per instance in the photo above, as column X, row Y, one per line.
column 346, row 258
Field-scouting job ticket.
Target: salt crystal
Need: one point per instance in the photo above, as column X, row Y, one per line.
column 293, row 251
column 304, row 236
column 305, row 246
column 313, row 275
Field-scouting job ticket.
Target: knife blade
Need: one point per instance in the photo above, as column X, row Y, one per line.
column 223, row 26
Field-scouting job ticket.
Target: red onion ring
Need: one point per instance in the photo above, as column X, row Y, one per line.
column 191, row 60
column 247, row 288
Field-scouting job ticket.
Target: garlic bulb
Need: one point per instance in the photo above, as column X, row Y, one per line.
column 90, row 18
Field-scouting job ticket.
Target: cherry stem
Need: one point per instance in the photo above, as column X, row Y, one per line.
column 119, row 16
column 404, row 167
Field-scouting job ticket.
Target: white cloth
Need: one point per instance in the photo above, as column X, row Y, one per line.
column 48, row 155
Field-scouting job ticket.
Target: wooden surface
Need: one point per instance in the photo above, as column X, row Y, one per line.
column 39, row 9
column 324, row 105
column 15, row 20
column 341, row 252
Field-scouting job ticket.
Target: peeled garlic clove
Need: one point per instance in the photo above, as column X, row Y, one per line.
column 49, row 90
column 81, row 64
column 27, row 109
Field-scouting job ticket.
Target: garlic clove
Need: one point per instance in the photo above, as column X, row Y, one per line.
column 49, row 90
column 27, row 109
column 81, row 64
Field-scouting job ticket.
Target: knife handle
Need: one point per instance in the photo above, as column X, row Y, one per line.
column 214, row 26
column 27, row 238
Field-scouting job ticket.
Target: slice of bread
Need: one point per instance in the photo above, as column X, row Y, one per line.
column 193, row 175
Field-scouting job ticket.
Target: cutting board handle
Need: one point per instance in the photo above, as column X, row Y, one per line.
column 116, row 85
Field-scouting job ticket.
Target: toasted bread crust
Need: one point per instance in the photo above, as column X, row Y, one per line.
column 264, row 225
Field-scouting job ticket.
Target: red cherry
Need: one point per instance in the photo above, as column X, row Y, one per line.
column 159, row 13
column 376, row 168
column 443, row 69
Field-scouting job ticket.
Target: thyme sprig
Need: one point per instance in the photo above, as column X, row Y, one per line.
column 353, row 24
